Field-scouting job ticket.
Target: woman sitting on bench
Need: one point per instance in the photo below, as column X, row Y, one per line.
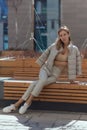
column 60, row 55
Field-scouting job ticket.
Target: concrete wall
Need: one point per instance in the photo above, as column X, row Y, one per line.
column 20, row 24
column 74, row 15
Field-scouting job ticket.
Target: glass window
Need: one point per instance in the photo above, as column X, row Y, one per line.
column 46, row 23
column 4, row 21
column 38, row 7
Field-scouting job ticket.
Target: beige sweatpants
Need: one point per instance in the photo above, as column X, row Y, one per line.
column 44, row 79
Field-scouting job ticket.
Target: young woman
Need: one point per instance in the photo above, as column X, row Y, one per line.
column 59, row 55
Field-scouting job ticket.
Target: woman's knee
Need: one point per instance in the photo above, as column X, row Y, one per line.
column 42, row 82
column 43, row 75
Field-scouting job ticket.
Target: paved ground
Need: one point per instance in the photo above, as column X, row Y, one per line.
column 43, row 120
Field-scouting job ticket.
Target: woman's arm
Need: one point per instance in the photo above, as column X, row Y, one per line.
column 41, row 60
column 74, row 82
column 79, row 62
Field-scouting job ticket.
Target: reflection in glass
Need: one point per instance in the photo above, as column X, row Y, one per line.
column 4, row 24
column 46, row 23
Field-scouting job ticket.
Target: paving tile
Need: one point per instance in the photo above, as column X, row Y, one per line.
column 11, row 122
column 68, row 116
column 43, row 120
column 84, row 117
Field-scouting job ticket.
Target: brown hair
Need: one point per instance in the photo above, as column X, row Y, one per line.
column 59, row 43
column 65, row 28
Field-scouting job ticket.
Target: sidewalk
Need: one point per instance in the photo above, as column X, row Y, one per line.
column 43, row 120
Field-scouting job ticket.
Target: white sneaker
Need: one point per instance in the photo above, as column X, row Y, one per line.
column 24, row 108
column 9, row 109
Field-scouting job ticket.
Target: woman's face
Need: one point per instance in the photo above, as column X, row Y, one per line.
column 64, row 36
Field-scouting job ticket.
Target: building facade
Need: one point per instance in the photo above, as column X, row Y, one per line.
column 34, row 26
column 73, row 14
column 3, row 25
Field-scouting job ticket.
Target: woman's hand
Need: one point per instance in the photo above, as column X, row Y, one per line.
column 73, row 82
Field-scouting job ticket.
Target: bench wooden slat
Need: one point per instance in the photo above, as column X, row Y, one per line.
column 54, row 92
column 62, row 100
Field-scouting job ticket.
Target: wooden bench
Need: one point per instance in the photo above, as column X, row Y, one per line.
column 26, row 68
column 30, row 71
column 56, row 92
column 9, row 66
